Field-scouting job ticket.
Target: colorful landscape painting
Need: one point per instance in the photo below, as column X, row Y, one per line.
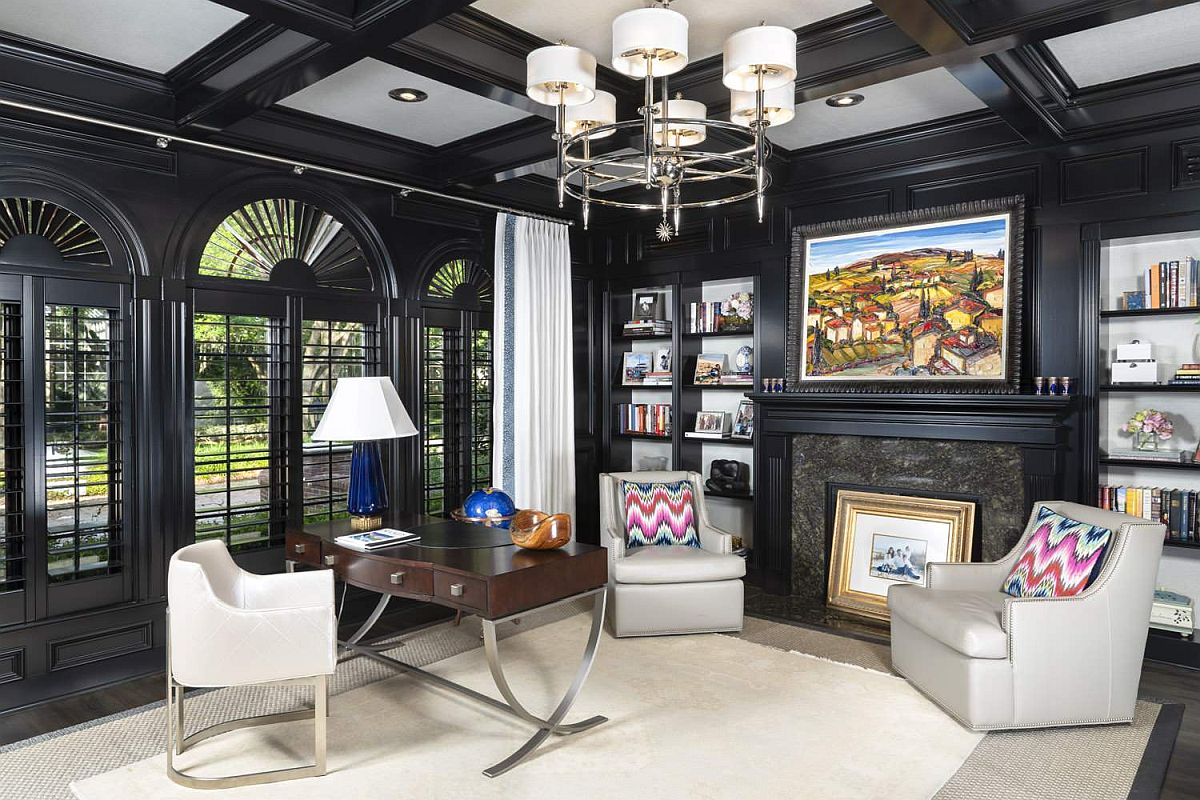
column 926, row 301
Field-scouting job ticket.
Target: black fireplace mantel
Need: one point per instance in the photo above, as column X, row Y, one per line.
column 1035, row 424
column 1016, row 418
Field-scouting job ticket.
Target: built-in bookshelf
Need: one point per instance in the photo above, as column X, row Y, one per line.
column 1123, row 256
column 686, row 343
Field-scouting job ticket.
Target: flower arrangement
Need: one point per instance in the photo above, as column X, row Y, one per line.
column 738, row 312
column 1148, row 427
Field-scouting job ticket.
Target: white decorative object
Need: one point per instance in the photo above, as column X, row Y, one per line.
column 364, row 409
column 1135, row 371
column 533, row 456
column 1172, row 612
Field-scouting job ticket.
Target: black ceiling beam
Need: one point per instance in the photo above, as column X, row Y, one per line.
column 297, row 58
column 973, row 67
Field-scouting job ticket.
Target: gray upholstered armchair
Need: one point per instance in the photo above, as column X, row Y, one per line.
column 994, row 661
column 669, row 589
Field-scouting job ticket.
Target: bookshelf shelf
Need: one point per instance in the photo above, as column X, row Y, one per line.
column 722, row 442
column 1143, row 313
column 1185, row 545
column 1147, row 387
column 650, row 436
column 720, row 387
column 1146, row 463
column 689, row 335
column 729, row 495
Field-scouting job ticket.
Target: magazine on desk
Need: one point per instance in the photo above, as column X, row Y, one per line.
column 374, row 540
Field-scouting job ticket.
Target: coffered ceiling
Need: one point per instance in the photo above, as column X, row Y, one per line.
column 886, row 106
column 151, row 34
column 309, row 78
column 358, row 95
column 1163, row 40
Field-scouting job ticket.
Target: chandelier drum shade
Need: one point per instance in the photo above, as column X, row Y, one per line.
column 686, row 159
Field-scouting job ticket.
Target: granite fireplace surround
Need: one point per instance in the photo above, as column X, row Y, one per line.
column 1004, row 451
column 988, row 472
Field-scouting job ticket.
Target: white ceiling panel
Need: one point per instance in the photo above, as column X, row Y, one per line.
column 358, row 95
column 152, row 34
column 1149, row 43
column 589, row 25
column 893, row 104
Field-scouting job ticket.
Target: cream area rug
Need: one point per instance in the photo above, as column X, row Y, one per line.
column 689, row 716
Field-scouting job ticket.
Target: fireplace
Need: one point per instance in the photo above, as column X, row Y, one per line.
column 1004, row 451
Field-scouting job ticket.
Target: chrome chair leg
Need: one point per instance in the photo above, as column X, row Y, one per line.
column 177, row 742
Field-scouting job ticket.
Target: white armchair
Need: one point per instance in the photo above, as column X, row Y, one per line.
column 658, row 589
column 229, row 627
column 996, row 662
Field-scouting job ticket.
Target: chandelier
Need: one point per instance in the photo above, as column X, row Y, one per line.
column 667, row 164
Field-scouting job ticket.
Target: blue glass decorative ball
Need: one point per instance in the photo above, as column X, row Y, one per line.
column 490, row 503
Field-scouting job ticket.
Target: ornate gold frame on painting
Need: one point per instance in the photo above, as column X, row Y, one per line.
column 959, row 513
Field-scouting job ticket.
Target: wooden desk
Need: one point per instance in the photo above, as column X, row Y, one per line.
column 476, row 570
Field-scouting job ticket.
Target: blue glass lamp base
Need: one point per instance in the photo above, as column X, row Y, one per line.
column 368, row 492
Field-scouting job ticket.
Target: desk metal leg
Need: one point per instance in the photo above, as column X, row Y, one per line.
column 545, row 726
column 554, row 723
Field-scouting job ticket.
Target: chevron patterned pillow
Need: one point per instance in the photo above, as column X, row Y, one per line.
column 659, row 513
column 1061, row 558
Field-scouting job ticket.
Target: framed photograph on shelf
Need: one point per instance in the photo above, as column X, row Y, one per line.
column 709, row 369
column 636, row 365
column 743, row 421
column 923, row 301
column 662, row 360
column 711, row 424
column 649, row 305
column 880, row 540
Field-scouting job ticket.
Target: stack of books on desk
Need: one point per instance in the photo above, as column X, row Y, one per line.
column 1186, row 375
column 648, row 327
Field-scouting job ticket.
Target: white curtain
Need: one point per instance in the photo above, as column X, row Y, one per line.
column 534, row 456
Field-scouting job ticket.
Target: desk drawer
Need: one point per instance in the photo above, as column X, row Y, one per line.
column 461, row 591
column 383, row 576
column 302, row 548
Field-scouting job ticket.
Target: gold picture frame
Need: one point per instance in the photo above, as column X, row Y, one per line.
column 883, row 539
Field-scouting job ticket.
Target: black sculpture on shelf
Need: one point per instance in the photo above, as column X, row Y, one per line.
column 728, row 477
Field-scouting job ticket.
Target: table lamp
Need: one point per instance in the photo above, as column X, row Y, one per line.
column 363, row 411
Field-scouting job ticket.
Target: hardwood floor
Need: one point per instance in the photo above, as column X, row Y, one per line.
column 1160, row 682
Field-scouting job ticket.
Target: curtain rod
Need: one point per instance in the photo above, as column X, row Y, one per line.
column 163, row 140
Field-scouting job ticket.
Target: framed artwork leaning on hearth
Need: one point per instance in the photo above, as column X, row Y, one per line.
column 918, row 301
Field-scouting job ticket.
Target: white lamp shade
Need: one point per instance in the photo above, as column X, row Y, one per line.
column 362, row 409
column 601, row 111
column 660, row 32
column 769, row 48
column 779, row 105
column 680, row 134
column 549, row 69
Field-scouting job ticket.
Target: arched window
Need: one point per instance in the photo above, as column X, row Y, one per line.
column 456, row 420
column 265, row 360
column 288, row 242
column 64, row 384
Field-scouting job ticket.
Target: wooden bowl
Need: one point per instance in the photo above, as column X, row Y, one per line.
column 537, row 530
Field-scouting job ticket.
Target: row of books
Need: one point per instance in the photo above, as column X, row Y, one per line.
column 711, row 318
column 649, row 418
column 1175, row 508
column 1186, row 375
column 647, row 327
column 1169, row 284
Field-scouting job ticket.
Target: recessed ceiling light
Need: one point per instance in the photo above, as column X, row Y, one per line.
column 407, row 95
column 844, row 100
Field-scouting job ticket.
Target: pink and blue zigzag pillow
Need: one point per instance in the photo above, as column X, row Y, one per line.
column 1062, row 558
column 659, row 514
